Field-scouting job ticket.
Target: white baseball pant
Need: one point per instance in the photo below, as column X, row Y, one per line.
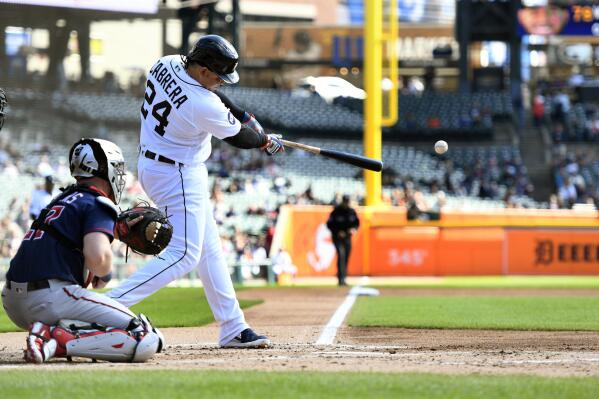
column 184, row 193
column 63, row 300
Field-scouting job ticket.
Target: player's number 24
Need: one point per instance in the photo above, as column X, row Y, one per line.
column 164, row 106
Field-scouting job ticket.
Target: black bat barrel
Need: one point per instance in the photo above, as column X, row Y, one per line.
column 353, row 159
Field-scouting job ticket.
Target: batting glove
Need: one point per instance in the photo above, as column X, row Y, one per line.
column 274, row 144
column 251, row 122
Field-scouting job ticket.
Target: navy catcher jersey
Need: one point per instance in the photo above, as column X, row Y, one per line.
column 43, row 256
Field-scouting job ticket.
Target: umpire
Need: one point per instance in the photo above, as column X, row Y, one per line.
column 343, row 222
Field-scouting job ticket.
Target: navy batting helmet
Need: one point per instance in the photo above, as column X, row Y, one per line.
column 218, row 55
column 2, row 105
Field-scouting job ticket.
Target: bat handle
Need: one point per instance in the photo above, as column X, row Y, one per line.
column 300, row 146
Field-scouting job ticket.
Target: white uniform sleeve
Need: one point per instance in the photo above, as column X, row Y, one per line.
column 217, row 120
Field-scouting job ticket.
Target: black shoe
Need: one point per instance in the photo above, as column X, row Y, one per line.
column 248, row 339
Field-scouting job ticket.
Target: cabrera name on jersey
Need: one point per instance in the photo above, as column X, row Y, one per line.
column 179, row 116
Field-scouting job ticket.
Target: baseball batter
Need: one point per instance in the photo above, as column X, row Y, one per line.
column 182, row 110
column 44, row 291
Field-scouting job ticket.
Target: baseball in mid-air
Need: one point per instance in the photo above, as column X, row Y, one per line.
column 441, row 147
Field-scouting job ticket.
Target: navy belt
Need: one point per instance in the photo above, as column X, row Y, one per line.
column 156, row 157
column 33, row 285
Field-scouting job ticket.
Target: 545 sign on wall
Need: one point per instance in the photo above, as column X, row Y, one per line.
column 407, row 257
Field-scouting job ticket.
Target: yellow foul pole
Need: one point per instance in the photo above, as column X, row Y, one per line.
column 375, row 38
column 373, row 73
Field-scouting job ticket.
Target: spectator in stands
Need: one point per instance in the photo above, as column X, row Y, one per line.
column 561, row 107
column 10, row 237
column 62, row 169
column 269, row 234
column 554, row 202
column 343, row 222
column 509, row 199
column 259, row 251
column 247, row 256
column 476, row 117
column 576, row 78
column 388, row 176
column 228, row 247
column 558, row 133
column 568, row 193
column 433, row 122
column 281, row 184
column 18, row 211
column 465, row 121
column 307, row 195
column 18, row 64
column 220, row 209
column 429, row 78
column 110, row 83
column 43, row 167
column 538, row 109
column 593, row 127
column 282, row 264
column 40, row 197
column 240, row 242
column 440, row 202
column 411, row 122
column 234, row 186
column 417, row 207
column 255, row 210
column 137, row 82
column 398, row 197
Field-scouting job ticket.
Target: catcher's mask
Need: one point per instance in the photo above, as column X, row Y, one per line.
column 2, row 105
column 218, row 55
column 100, row 158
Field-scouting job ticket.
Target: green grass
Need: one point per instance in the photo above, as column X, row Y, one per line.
column 169, row 307
column 137, row 384
column 496, row 282
column 490, row 312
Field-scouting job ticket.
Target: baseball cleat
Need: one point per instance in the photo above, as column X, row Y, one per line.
column 248, row 339
column 40, row 345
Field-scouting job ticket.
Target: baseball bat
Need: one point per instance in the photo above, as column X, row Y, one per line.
column 345, row 157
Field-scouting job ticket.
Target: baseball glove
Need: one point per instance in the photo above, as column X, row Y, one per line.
column 150, row 235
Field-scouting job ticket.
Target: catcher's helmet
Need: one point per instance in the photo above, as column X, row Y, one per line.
column 218, row 55
column 100, row 158
column 2, row 105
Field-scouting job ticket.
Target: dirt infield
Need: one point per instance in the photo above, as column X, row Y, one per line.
column 294, row 318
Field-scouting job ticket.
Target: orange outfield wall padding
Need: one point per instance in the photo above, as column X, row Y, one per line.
column 493, row 243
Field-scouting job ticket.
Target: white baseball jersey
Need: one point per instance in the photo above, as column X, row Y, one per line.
column 178, row 119
column 179, row 116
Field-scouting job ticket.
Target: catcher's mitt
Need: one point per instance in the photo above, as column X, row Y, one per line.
column 148, row 236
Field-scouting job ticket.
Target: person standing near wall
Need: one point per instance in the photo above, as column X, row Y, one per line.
column 343, row 222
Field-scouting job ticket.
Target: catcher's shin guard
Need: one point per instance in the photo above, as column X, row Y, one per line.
column 148, row 327
column 110, row 344
column 114, row 345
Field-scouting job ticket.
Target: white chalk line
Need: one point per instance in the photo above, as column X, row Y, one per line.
column 330, row 330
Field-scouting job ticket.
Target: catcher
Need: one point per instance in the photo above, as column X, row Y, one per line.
column 68, row 246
